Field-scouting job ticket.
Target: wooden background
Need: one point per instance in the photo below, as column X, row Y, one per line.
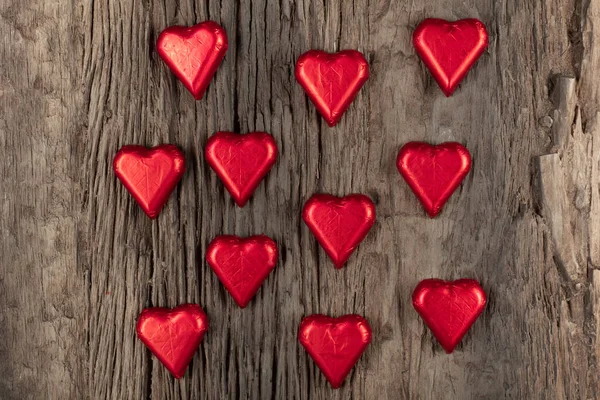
column 79, row 260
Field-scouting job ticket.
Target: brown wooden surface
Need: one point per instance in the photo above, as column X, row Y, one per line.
column 79, row 260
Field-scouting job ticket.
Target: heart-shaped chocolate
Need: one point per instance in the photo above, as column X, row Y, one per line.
column 150, row 175
column 449, row 49
column 173, row 335
column 193, row 53
column 335, row 344
column 449, row 309
column 339, row 224
column 242, row 264
column 241, row 161
column 433, row 172
column 332, row 81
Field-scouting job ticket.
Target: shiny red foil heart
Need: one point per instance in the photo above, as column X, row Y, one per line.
column 433, row 172
column 449, row 49
column 241, row 161
column 193, row 53
column 242, row 264
column 449, row 309
column 173, row 335
column 150, row 175
column 335, row 344
column 339, row 224
column 332, row 81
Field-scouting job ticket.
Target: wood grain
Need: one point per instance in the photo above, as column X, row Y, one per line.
column 79, row 260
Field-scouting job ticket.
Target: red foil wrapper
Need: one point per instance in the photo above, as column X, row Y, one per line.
column 339, row 224
column 335, row 344
column 449, row 309
column 193, row 54
column 173, row 335
column 449, row 49
column 433, row 172
column 241, row 161
column 332, row 81
column 150, row 175
column 242, row 264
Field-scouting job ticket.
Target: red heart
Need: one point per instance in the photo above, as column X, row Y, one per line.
column 241, row 161
column 193, row 54
column 335, row 344
column 150, row 175
column 173, row 335
column 339, row 224
column 449, row 308
column 242, row 264
column 449, row 49
column 332, row 80
column 433, row 172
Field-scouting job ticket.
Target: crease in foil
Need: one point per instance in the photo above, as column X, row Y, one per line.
column 242, row 264
column 433, row 172
column 339, row 224
column 241, row 161
column 173, row 335
column 332, row 81
column 335, row 344
column 449, row 309
column 150, row 175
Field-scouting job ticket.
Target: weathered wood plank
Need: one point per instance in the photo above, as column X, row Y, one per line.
column 42, row 288
column 79, row 259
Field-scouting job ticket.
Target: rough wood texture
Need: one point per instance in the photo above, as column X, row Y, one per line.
column 79, row 260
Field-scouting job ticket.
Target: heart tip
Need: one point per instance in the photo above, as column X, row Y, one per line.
column 447, row 90
column 331, row 122
column 241, row 301
column 198, row 96
column 449, row 347
column 449, row 351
